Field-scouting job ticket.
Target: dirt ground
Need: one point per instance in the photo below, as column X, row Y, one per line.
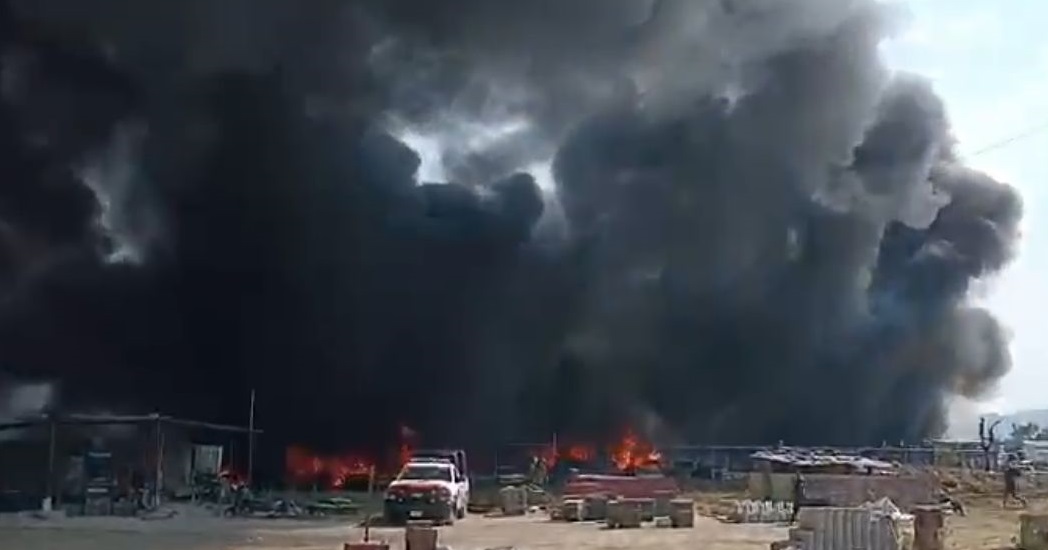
column 986, row 527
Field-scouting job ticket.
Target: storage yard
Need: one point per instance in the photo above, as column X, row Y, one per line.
column 985, row 527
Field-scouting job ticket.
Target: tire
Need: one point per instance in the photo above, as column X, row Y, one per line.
column 460, row 512
column 452, row 514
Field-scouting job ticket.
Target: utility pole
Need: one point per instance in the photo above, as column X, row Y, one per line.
column 251, row 441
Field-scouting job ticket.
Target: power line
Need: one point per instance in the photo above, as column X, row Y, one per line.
column 1030, row 132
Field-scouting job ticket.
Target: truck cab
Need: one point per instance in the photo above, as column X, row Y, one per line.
column 427, row 488
column 454, row 456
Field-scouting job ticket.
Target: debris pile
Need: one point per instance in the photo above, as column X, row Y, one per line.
column 824, row 461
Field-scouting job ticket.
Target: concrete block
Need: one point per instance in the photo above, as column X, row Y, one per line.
column 513, row 501
column 536, row 497
column 645, row 506
column 662, row 502
column 663, row 522
column 420, row 538
column 682, row 512
column 623, row 515
column 929, row 526
column 1033, row 531
column 572, row 509
column 595, row 508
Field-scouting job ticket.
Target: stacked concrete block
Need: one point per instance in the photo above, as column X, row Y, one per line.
column 513, row 501
column 1033, row 531
column 682, row 512
column 595, row 508
column 623, row 515
column 572, row 509
column 420, row 538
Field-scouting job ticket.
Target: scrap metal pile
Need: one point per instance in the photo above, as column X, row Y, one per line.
column 806, row 459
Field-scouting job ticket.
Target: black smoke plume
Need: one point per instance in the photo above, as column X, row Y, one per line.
column 723, row 218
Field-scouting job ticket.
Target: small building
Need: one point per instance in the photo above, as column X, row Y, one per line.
column 71, row 460
column 836, row 479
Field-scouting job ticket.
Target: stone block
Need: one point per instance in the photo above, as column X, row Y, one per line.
column 513, row 501
column 420, row 538
column 622, row 515
column 1033, row 531
column 662, row 502
column 595, row 508
column 572, row 509
column 645, row 507
column 929, row 528
column 682, row 512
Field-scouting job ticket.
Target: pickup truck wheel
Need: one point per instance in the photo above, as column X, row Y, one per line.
column 460, row 512
column 452, row 513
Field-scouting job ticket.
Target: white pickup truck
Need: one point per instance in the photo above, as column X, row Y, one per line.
column 427, row 488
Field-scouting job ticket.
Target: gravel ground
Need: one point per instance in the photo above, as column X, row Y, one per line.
column 475, row 532
column 986, row 527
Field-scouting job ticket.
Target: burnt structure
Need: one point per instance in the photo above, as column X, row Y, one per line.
column 88, row 463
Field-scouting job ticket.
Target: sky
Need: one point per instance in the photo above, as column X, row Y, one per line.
column 988, row 59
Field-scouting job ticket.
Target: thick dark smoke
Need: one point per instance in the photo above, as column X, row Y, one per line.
column 737, row 227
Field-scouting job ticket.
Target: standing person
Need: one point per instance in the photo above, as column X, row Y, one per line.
column 798, row 495
column 1012, row 473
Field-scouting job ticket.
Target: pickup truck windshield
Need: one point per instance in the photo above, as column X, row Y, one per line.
column 433, row 472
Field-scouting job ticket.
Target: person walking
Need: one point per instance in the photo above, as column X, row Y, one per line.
column 1012, row 473
column 798, row 495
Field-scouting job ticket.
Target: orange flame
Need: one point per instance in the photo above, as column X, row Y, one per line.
column 574, row 453
column 334, row 471
column 580, row 453
column 303, row 467
column 632, row 452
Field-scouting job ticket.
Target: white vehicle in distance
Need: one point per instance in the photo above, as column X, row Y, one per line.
column 427, row 488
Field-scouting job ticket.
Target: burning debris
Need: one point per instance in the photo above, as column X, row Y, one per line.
column 306, row 468
column 330, row 472
column 734, row 221
column 629, row 454
column 634, row 453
